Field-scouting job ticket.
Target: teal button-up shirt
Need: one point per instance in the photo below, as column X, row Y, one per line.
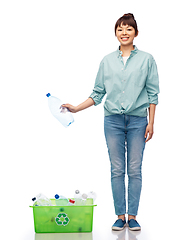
column 129, row 88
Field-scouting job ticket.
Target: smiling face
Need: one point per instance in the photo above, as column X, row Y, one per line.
column 125, row 35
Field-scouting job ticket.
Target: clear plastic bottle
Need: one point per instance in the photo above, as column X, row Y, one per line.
column 92, row 195
column 61, row 200
column 84, row 198
column 78, row 198
column 63, row 115
column 41, row 200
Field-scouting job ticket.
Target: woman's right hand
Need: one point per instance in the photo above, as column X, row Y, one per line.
column 70, row 107
column 88, row 103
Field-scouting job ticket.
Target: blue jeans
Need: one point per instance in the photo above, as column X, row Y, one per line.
column 125, row 141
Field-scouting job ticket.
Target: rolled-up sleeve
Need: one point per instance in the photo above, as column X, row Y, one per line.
column 99, row 88
column 152, row 82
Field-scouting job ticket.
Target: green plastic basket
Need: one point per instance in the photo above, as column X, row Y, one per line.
column 63, row 219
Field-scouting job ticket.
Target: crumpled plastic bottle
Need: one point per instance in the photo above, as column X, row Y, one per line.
column 63, row 115
column 41, row 200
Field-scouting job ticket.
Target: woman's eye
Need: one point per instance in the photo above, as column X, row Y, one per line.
column 129, row 29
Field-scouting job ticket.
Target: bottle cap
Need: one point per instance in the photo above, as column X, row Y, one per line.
column 33, row 199
column 71, row 201
column 48, row 94
column 56, row 196
column 77, row 191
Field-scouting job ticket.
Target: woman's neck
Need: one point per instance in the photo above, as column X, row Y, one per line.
column 126, row 50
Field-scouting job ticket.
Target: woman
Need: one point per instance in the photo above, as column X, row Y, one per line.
column 129, row 79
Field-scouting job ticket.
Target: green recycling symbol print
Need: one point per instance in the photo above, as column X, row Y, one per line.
column 62, row 219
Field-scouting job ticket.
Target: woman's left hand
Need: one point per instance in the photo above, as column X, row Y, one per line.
column 149, row 132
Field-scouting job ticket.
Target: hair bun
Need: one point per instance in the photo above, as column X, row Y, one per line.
column 128, row 15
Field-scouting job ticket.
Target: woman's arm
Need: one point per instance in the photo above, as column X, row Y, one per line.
column 88, row 103
column 149, row 129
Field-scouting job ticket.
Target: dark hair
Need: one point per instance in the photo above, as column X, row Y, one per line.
column 127, row 19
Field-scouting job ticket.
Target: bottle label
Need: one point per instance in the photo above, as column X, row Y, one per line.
column 62, row 219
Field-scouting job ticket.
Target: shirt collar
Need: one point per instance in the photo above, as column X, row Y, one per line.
column 133, row 52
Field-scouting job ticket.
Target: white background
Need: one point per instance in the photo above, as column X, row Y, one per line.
column 56, row 46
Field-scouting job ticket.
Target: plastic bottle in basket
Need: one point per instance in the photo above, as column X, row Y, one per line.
column 92, row 195
column 41, row 200
column 84, row 198
column 61, row 200
column 63, row 115
column 77, row 197
column 80, row 199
